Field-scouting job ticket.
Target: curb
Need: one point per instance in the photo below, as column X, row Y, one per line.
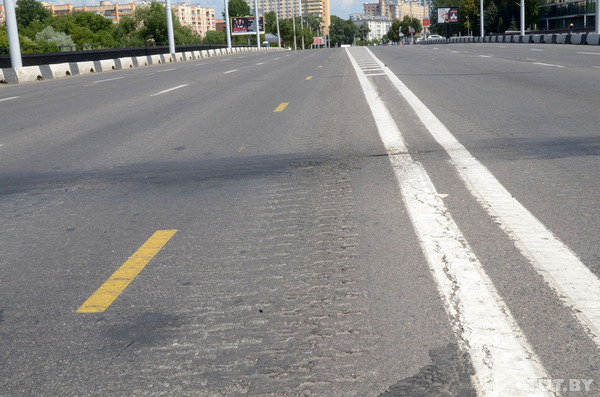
column 61, row 70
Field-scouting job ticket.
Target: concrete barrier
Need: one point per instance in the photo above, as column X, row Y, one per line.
column 123, row 63
column 79, row 68
column 593, row 39
column 562, row 39
column 55, row 71
column 578, row 38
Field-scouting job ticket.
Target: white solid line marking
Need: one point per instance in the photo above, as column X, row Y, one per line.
column 485, row 56
column 230, row 71
column 8, row 99
column 548, row 64
column 114, row 78
column 165, row 70
column 170, row 89
column 502, row 357
column 575, row 285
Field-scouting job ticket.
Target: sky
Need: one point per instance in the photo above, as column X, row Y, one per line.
column 340, row 8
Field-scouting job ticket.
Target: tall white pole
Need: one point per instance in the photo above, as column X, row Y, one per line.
column 598, row 16
column 522, row 17
column 481, row 18
column 294, row 23
column 277, row 19
column 13, row 34
column 302, row 24
column 227, row 27
column 170, row 27
column 256, row 24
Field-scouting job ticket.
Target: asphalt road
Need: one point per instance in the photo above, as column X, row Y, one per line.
column 298, row 260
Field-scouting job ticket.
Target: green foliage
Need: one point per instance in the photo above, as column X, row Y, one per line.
column 363, row 31
column 238, row 8
column 393, row 33
column 152, row 26
column 60, row 39
column 214, row 37
column 407, row 23
column 28, row 11
column 341, row 31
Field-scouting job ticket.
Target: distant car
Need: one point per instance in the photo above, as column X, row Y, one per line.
column 434, row 36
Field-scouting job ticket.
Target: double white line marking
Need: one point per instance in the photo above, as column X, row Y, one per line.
column 502, row 357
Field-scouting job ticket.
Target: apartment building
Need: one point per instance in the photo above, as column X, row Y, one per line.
column 378, row 25
column 288, row 8
column 114, row 12
column 397, row 9
column 201, row 20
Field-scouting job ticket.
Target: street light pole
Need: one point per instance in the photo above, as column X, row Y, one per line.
column 294, row 23
column 227, row 27
column 277, row 21
column 256, row 24
column 481, row 19
column 170, row 27
column 522, row 17
column 13, row 34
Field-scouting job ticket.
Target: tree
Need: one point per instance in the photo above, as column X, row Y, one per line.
column 62, row 41
column 407, row 23
column 214, row 37
column 341, row 31
column 94, row 22
column 28, row 11
column 238, row 8
column 152, row 26
column 393, row 33
column 363, row 31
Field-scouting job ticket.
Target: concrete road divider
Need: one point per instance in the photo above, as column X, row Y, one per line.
column 60, row 70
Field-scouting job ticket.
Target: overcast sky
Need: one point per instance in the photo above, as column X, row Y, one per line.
column 340, row 8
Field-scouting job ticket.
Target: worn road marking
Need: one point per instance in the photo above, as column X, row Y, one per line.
column 281, row 107
column 537, row 49
column 588, row 53
column 230, row 71
column 170, row 89
column 308, row 77
column 573, row 282
column 242, row 148
column 112, row 288
column 320, row 66
column 114, row 78
column 548, row 64
column 502, row 358
column 166, row 70
column 260, row 63
column 531, row 59
column 485, row 56
column 9, row 98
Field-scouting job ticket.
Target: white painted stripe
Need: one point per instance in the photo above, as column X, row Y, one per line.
column 230, row 71
column 572, row 281
column 548, row 64
column 166, row 70
column 8, row 99
column 260, row 63
column 537, row 49
column 200, row 64
column 114, row 78
column 501, row 356
column 455, row 52
column 588, row 53
column 170, row 89
column 375, row 74
column 485, row 56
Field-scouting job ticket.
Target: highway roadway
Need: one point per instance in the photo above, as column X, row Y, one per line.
column 392, row 221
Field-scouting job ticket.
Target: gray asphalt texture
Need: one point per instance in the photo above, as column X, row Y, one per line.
column 295, row 269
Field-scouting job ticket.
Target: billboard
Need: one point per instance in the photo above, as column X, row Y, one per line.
column 245, row 25
column 448, row 15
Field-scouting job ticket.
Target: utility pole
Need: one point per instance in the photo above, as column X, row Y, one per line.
column 277, row 21
column 256, row 24
column 523, row 18
column 13, row 34
column 481, row 18
column 302, row 24
column 169, row 27
column 227, row 27
column 294, row 23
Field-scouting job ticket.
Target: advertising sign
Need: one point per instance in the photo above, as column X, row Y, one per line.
column 246, row 25
column 426, row 23
column 448, row 15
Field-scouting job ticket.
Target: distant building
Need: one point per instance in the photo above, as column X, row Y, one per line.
column 201, row 20
column 397, row 9
column 378, row 25
column 558, row 15
column 114, row 12
column 2, row 16
column 288, row 8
